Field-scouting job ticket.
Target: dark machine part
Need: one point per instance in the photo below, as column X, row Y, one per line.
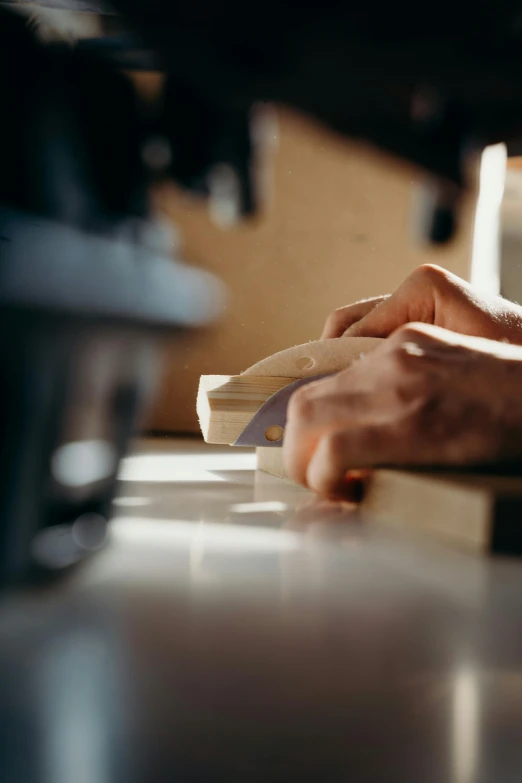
column 432, row 85
column 87, row 289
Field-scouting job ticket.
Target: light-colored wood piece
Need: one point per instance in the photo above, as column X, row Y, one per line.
column 226, row 403
column 270, row 488
column 474, row 511
column 270, row 460
column 477, row 512
column 314, row 358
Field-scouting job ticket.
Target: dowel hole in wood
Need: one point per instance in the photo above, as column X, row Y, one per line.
column 304, row 363
column 274, row 433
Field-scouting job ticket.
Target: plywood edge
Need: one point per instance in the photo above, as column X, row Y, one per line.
column 449, row 508
column 227, row 403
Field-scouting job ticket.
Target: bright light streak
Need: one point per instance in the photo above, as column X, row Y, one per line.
column 485, row 264
column 209, row 536
column 465, row 726
column 131, row 502
column 184, row 467
column 259, row 508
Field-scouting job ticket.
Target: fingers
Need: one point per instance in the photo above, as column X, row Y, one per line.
column 340, row 320
column 330, row 471
column 412, row 301
column 315, row 410
column 381, row 322
column 430, row 295
column 442, row 344
column 425, row 396
column 359, row 403
column 422, row 297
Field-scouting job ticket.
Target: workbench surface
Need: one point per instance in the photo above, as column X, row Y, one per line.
column 234, row 630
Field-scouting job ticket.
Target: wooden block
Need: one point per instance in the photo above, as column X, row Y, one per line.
column 478, row 512
column 268, row 488
column 481, row 512
column 270, row 460
column 226, row 403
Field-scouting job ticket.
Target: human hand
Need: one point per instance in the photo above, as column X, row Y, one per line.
column 426, row 396
column 430, row 295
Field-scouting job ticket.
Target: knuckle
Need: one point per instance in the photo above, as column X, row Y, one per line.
column 410, row 332
column 432, row 273
column 335, row 320
column 429, row 414
column 408, row 342
column 407, row 358
column 416, row 341
column 301, row 406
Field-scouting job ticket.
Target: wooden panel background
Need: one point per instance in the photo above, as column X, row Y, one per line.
column 337, row 230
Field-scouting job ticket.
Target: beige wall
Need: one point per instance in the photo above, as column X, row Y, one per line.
column 336, row 230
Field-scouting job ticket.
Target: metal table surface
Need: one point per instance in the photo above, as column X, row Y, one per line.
column 234, row 629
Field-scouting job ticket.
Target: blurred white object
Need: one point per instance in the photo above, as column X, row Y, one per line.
column 511, row 237
column 486, row 255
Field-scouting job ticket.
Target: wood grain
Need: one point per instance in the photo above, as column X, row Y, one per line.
column 226, row 403
column 481, row 513
column 474, row 511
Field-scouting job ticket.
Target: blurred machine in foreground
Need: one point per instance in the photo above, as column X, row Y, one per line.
column 87, row 287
